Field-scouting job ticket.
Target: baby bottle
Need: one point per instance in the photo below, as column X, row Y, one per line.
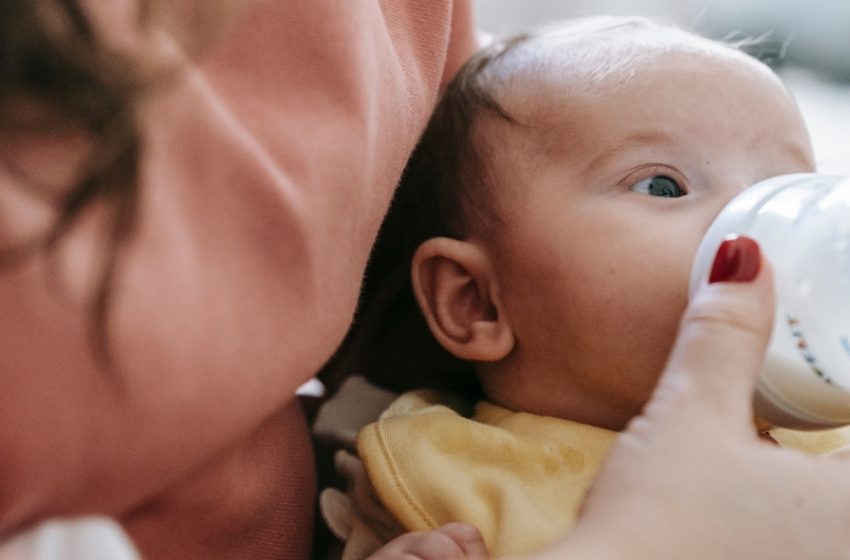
column 802, row 223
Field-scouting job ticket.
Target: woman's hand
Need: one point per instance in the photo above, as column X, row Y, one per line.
column 690, row 479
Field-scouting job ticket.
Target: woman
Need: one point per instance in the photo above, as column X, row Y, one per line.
column 188, row 196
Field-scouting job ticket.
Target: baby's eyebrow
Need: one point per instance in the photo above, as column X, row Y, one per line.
column 636, row 139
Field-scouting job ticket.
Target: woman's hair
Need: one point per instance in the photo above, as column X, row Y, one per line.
column 448, row 184
column 51, row 60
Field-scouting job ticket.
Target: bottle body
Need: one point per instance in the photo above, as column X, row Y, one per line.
column 802, row 223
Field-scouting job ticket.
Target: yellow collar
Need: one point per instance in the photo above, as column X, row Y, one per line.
column 518, row 477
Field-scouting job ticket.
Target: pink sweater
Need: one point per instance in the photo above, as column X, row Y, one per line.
column 267, row 170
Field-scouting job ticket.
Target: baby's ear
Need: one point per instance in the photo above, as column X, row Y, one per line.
column 458, row 293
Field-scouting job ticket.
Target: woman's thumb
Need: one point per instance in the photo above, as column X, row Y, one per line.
column 720, row 348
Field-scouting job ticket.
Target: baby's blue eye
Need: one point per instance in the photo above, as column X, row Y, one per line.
column 659, row 185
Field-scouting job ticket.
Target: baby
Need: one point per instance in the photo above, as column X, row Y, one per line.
column 546, row 226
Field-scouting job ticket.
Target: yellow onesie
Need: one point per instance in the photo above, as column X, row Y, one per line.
column 520, row 478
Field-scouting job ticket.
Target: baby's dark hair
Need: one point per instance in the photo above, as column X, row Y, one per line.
column 439, row 195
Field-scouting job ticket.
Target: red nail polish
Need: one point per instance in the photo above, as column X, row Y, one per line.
column 738, row 259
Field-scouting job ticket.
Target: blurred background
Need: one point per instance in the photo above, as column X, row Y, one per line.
column 807, row 43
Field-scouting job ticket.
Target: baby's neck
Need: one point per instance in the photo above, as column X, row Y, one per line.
column 510, row 389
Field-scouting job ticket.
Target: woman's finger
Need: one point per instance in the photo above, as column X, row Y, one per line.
column 720, row 348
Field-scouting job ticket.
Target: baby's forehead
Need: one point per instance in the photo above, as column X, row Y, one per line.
column 549, row 83
column 566, row 62
column 597, row 47
column 555, row 75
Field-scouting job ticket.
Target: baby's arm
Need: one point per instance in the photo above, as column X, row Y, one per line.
column 455, row 541
column 370, row 532
column 356, row 515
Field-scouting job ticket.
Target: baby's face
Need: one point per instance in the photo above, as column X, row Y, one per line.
column 605, row 198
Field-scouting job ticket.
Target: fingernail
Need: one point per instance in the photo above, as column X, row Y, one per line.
column 738, row 259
